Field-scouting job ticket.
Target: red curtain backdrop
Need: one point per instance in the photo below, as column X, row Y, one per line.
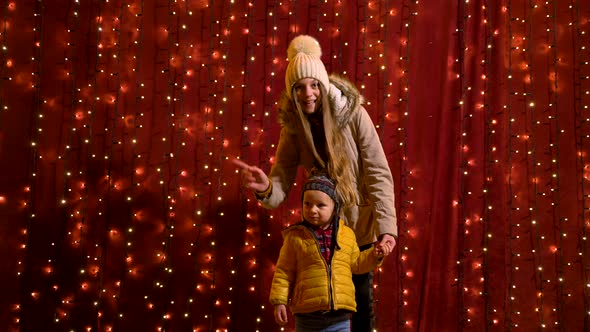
column 121, row 210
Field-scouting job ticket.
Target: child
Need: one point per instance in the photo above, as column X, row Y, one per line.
column 315, row 266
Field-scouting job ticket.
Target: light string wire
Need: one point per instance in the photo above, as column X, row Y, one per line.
column 558, row 221
column 72, row 74
column 489, row 161
column 170, row 158
column 209, row 116
column 318, row 27
column 245, row 141
column 383, row 70
column 4, row 61
column 510, row 162
column 91, row 114
column 360, row 66
column 293, row 32
column 579, row 61
column 232, row 263
column 265, row 122
column 182, row 131
column 132, row 216
column 515, row 129
column 535, row 222
column 381, row 125
column 185, row 115
column 183, row 45
column 26, row 293
column 200, row 180
column 409, row 8
column 160, row 286
column 214, row 194
column 461, row 55
column 513, row 151
column 341, row 44
column 109, row 231
column 62, row 223
column 224, row 111
column 219, row 116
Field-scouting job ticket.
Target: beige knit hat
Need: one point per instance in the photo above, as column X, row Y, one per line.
column 305, row 61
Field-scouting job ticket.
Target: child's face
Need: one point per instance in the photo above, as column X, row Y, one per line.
column 308, row 94
column 318, row 207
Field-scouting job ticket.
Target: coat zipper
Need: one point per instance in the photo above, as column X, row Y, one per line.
column 328, row 267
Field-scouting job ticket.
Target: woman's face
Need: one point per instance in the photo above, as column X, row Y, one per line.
column 308, row 94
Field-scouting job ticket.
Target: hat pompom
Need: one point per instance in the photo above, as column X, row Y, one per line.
column 304, row 54
column 304, row 44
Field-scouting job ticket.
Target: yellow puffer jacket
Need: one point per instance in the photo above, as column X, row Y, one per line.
column 315, row 285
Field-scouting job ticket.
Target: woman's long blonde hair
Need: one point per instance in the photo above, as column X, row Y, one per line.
column 339, row 165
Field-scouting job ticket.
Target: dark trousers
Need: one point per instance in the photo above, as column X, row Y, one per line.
column 363, row 320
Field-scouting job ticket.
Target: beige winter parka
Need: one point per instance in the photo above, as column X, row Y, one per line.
column 315, row 285
column 375, row 212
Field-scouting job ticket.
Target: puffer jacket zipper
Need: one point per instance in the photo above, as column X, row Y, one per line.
column 328, row 268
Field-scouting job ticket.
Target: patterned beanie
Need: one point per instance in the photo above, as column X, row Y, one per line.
column 322, row 183
column 305, row 61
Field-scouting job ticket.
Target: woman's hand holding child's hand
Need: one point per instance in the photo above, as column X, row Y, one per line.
column 378, row 250
column 384, row 246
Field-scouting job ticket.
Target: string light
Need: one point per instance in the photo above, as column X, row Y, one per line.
column 582, row 93
column 404, row 197
column 30, row 293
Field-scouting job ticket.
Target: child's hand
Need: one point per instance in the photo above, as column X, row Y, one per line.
column 281, row 314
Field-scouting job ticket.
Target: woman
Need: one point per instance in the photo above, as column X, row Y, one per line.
column 325, row 126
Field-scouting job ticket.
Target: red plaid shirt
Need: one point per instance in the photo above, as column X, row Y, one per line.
column 324, row 237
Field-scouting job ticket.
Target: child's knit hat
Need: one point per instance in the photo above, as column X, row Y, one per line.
column 305, row 61
column 321, row 182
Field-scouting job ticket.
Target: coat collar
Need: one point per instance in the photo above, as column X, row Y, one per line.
column 337, row 224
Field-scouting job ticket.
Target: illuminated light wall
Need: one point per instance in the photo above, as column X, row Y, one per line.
column 120, row 209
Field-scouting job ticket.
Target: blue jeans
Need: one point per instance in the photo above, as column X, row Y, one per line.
column 317, row 322
column 343, row 326
column 363, row 320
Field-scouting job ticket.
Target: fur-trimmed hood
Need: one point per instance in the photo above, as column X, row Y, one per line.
column 344, row 100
